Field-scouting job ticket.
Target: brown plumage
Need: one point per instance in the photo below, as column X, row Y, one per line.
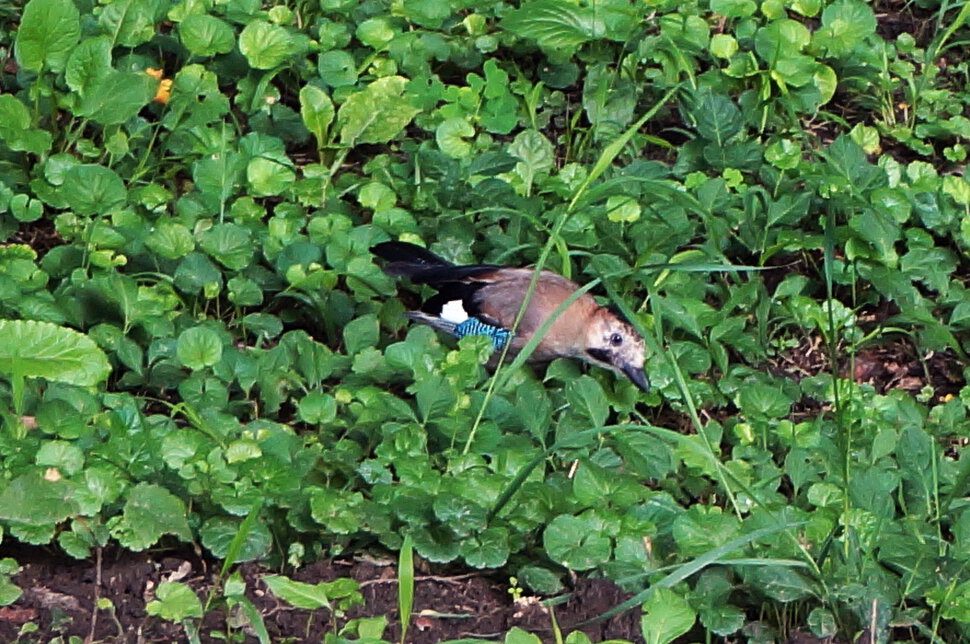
column 493, row 295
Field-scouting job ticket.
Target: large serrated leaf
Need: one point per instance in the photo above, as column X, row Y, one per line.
column 35, row 349
column 150, row 512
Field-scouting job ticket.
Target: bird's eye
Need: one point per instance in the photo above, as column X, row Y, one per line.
column 616, row 339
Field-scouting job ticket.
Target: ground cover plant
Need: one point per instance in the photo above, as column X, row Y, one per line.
column 197, row 347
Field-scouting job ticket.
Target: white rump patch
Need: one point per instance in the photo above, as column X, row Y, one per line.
column 454, row 312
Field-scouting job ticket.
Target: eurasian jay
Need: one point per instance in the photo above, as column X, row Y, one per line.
column 484, row 299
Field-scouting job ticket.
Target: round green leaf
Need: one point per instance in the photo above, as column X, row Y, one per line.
column 576, row 542
column 264, row 45
column 92, row 189
column 724, row 46
column 267, row 177
column 317, row 408
column 205, row 35
column 451, row 135
column 375, row 33
column 337, row 68
column 171, row 240
column 231, row 245
column 377, row 114
column 199, row 347
column 218, row 532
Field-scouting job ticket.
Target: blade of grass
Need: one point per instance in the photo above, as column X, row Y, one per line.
column 405, row 585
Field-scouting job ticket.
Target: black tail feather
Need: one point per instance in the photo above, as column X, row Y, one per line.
column 424, row 267
column 405, row 253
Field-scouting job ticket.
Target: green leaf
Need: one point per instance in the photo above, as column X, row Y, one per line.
column 405, row 595
column 780, row 583
column 870, row 488
column 487, row 549
column 49, row 30
column 131, row 22
column 702, row 529
column 297, row 593
column 265, row 45
column 34, row 500
column 317, row 112
column 9, row 592
column 117, row 97
column 44, row 350
column 845, row 25
column 340, row 512
column 360, row 333
column 718, row 119
column 218, row 533
column 317, row 408
column 231, row 245
column 734, row 8
column 196, row 272
column 621, row 208
column 199, row 347
column 218, row 178
column 150, row 512
column 666, row 616
column 171, row 240
column 781, row 39
column 762, row 400
column 92, row 189
column 205, row 35
column 586, row 396
column 337, row 68
column 577, row 543
column 518, row 636
column 535, row 154
column 66, row 457
column 376, row 33
column 89, row 63
column 15, row 127
column 559, row 27
column 268, row 178
column 377, row 114
column 175, row 602
column 451, row 135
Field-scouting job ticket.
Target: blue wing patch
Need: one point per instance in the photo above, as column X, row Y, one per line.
column 474, row 326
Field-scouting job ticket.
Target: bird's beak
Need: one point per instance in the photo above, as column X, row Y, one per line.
column 637, row 377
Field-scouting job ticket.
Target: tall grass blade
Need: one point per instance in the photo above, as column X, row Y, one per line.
column 405, row 585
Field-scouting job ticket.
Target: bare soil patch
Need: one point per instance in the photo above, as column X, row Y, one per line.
column 60, row 595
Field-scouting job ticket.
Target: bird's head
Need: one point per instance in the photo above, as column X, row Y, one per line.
column 612, row 343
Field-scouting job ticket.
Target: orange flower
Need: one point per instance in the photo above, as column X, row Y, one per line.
column 164, row 85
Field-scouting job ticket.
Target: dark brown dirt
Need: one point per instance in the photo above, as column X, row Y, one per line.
column 892, row 365
column 60, row 595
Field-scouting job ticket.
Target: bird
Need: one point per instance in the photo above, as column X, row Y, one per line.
column 484, row 299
